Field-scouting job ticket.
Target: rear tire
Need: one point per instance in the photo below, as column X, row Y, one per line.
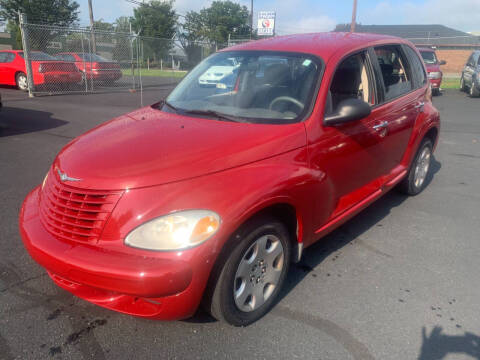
column 415, row 181
column 245, row 285
column 474, row 92
column 463, row 88
column 21, row 81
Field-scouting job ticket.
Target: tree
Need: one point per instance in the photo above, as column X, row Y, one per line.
column 212, row 25
column 223, row 18
column 190, row 35
column 155, row 19
column 123, row 50
column 49, row 12
column 103, row 25
column 122, row 24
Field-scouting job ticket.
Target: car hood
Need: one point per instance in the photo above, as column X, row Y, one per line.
column 151, row 147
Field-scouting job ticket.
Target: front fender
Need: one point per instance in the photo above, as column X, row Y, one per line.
column 235, row 194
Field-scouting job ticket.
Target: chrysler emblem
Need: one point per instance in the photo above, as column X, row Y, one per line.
column 65, row 177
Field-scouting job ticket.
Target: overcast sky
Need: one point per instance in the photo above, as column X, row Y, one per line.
column 294, row 16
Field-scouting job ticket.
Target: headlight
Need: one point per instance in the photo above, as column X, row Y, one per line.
column 176, row 231
column 435, row 75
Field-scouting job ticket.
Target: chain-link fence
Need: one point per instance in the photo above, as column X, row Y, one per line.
column 68, row 60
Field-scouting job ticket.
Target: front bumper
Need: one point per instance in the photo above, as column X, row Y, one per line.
column 157, row 286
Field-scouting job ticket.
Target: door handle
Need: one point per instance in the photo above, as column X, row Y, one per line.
column 420, row 105
column 382, row 125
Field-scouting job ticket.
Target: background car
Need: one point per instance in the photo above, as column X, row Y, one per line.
column 93, row 66
column 433, row 68
column 46, row 69
column 470, row 79
column 217, row 73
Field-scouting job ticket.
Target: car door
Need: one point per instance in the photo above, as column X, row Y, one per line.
column 350, row 154
column 7, row 69
column 402, row 100
column 469, row 70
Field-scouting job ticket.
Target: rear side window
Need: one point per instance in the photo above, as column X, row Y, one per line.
column 475, row 56
column 418, row 71
column 6, row 57
column 394, row 70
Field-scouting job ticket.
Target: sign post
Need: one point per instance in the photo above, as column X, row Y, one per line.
column 266, row 23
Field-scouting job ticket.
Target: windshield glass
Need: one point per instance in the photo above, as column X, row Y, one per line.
column 429, row 57
column 92, row 57
column 254, row 86
column 39, row 56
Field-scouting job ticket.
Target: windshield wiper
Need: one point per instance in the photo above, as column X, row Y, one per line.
column 216, row 114
column 165, row 102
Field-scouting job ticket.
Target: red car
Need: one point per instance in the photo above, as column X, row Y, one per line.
column 46, row 69
column 209, row 195
column 433, row 68
column 93, row 66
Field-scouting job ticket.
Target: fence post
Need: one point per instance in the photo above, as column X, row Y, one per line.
column 26, row 52
column 84, row 75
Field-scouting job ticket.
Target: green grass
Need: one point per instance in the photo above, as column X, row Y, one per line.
column 450, row 83
column 156, row 72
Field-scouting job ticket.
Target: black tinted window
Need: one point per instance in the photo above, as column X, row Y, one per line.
column 65, row 57
column 418, row 71
column 38, row 56
column 394, row 70
column 475, row 58
column 6, row 57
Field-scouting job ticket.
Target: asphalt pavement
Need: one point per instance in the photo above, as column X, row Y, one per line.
column 399, row 281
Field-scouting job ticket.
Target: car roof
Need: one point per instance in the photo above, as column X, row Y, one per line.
column 320, row 44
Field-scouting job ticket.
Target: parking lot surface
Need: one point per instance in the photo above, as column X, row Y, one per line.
column 399, row 281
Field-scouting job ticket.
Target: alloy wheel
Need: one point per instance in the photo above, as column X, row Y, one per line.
column 22, row 82
column 422, row 166
column 258, row 273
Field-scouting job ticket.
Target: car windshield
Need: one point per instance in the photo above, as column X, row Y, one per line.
column 250, row 86
column 91, row 57
column 39, row 56
column 429, row 57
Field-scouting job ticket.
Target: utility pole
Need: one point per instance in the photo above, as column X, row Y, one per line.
column 92, row 34
column 354, row 16
column 251, row 19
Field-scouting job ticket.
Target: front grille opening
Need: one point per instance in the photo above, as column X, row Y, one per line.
column 74, row 214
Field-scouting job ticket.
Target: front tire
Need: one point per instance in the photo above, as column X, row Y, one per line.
column 415, row 181
column 21, row 81
column 252, row 275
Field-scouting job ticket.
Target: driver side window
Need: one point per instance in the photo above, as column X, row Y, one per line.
column 351, row 81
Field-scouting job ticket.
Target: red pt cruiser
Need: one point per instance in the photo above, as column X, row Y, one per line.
column 434, row 72
column 209, row 195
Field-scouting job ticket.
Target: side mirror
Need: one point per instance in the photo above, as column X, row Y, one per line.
column 442, row 62
column 348, row 110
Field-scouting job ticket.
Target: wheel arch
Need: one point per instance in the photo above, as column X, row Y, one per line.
column 282, row 211
column 432, row 134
